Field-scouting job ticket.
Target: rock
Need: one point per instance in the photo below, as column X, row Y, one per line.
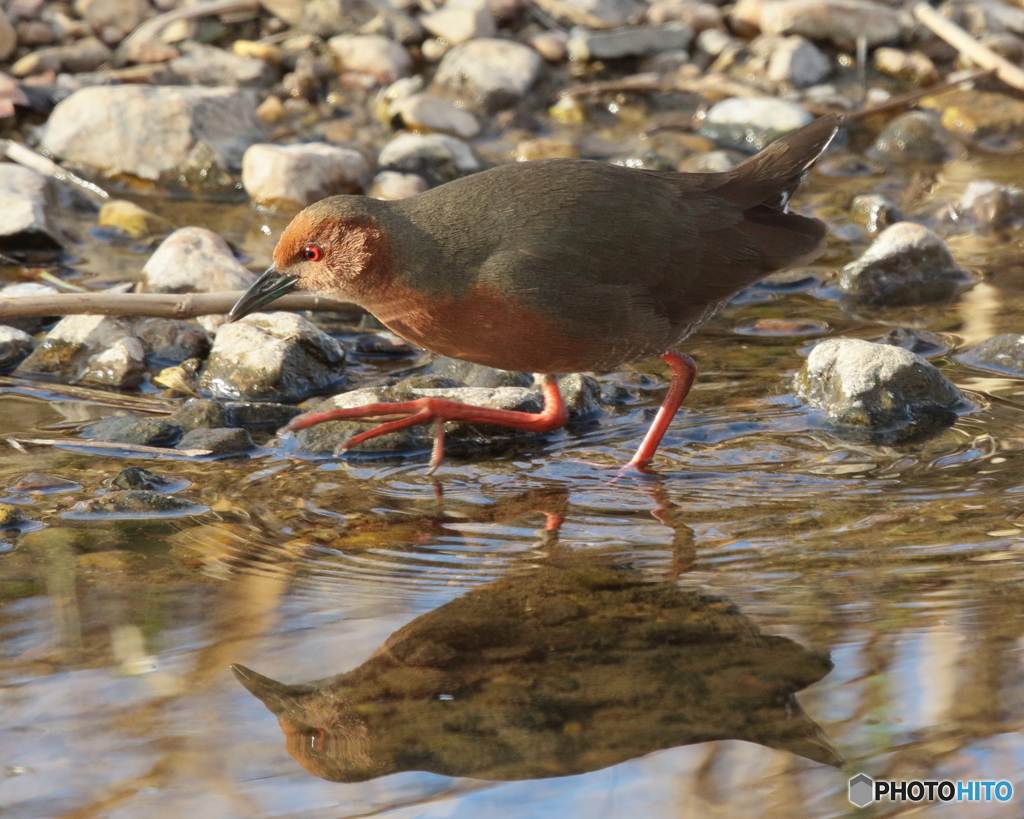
column 194, row 260
column 172, row 341
column 985, row 17
column 35, row 483
column 272, row 357
column 545, row 148
column 456, row 24
column 96, row 349
column 916, row 136
column 986, row 206
column 33, row 33
column 394, row 185
column 218, row 441
column 136, row 504
column 612, row 13
column 698, row 15
column 427, row 113
column 24, row 202
column 874, row 212
column 8, row 37
column 293, row 176
column 982, row 115
column 130, row 429
column 15, row 345
column 11, row 517
column 923, row 342
column 261, row 415
column 1001, row 354
column 495, row 73
column 840, row 22
column 910, row 66
column 322, row 17
column 189, row 131
column 88, row 54
column 750, row 124
column 200, row 412
column 635, row 42
column 906, row 264
column 370, row 54
column 434, row 50
column 438, row 158
column 551, row 45
column 876, row 391
column 456, row 372
column 135, row 477
column 122, row 15
column 30, row 324
column 206, row 65
column 131, row 220
column 798, row 62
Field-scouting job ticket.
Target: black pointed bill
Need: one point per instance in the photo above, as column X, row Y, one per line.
column 270, row 286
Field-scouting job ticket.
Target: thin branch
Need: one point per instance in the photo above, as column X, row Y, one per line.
column 156, row 305
column 146, row 33
column 87, row 443
column 16, row 152
column 969, row 47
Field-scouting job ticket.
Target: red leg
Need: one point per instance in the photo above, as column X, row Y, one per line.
column 438, row 411
column 683, row 372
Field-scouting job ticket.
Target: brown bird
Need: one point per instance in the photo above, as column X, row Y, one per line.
column 551, row 266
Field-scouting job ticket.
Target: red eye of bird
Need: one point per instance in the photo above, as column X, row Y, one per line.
column 312, row 253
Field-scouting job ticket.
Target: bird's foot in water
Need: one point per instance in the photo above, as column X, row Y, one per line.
column 438, row 411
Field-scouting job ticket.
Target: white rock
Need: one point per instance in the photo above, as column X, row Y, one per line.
column 634, row 42
column 76, row 342
column 838, row 21
column 611, row 12
column 495, row 72
column 425, row 112
column 798, row 62
column 379, row 57
column 438, row 158
column 298, row 175
column 394, row 185
column 23, row 201
column 457, row 24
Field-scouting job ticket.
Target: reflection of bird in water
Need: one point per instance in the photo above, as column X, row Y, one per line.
column 569, row 668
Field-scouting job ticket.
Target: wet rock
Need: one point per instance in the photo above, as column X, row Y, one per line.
column 133, row 504
column 88, row 54
column 131, row 429
column 180, row 378
column 172, row 340
column 293, row 176
column 200, row 412
column 983, row 115
column 96, row 349
column 916, row 136
column 750, row 124
column 131, row 220
column 468, row 374
column 581, row 394
column 551, row 45
column 218, row 441
column 261, row 415
column 30, row 324
column 988, row 206
column 910, row 66
column 636, row 42
column 458, row 23
column 906, row 264
column 798, row 62
column 876, row 391
column 8, row 37
column 369, row 54
column 1002, row 354
column 135, row 477
column 612, row 13
column 36, row 484
column 206, row 65
column 324, row 439
column 189, row 130
column 24, row 225
column 840, row 22
column 874, row 212
column 272, row 357
column 496, row 73
column 545, row 148
column 386, row 345
column 11, row 517
column 438, row 158
column 426, row 113
column 15, row 345
column 922, row 342
column 322, row 17
column 394, row 185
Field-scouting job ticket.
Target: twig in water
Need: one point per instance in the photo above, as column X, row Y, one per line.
column 16, row 152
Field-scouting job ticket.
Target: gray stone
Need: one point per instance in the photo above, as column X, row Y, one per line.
column 206, row 65
column 923, row 342
column 322, row 17
column 456, row 24
column 131, row 429
column 906, row 264
column 798, row 62
column 438, row 158
column 985, row 17
column 635, row 42
column 495, row 73
column 612, row 13
column 220, row 441
column 15, row 345
column 23, row 210
column 135, row 477
column 293, row 176
column 874, row 212
column 11, row 517
column 877, row 392
column 272, row 357
column 916, row 136
column 468, row 374
column 172, row 340
column 88, row 54
column 138, row 504
column 1001, row 354
column 425, row 112
column 750, row 124
column 97, row 349
column 394, row 185
column 188, row 131
column 840, row 22
column 370, row 54
column 986, row 206
column 259, row 415
column 200, row 412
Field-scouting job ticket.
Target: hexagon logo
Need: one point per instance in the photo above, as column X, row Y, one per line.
column 862, row 790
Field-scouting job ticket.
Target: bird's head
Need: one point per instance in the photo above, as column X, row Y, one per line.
column 335, row 247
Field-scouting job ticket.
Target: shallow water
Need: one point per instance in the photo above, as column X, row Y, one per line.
column 574, row 644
